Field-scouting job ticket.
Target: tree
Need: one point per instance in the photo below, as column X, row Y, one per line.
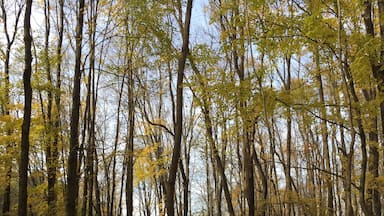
column 185, row 29
column 268, row 108
column 24, row 146
column 6, row 102
column 73, row 177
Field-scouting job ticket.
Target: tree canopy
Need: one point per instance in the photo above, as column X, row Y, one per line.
column 192, row 107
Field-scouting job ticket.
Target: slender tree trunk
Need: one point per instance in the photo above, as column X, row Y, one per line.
column 348, row 155
column 264, row 182
column 86, row 126
column 7, row 192
column 111, row 195
column 73, row 177
column 97, row 206
column 179, row 112
column 50, row 130
column 131, row 131
column 57, row 115
column 208, row 181
column 185, row 183
column 381, row 81
column 288, row 178
column 373, row 205
column 213, row 148
column 373, row 166
column 92, row 105
column 238, row 58
column 324, row 135
column 7, row 102
column 356, row 113
column 24, row 148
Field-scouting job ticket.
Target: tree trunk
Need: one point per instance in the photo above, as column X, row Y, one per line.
column 130, row 147
column 92, row 105
column 374, row 204
column 179, row 112
column 111, row 195
column 73, row 177
column 57, row 115
column 288, row 177
column 49, row 125
column 24, row 148
column 324, row 135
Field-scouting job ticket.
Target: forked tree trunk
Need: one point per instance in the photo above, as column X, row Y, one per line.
column 179, row 112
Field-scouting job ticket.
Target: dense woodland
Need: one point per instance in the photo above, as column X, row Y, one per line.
column 192, row 107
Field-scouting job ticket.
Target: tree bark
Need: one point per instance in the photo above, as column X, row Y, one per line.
column 130, row 147
column 111, row 195
column 24, row 148
column 73, row 177
column 179, row 112
column 374, row 203
column 49, row 125
column 324, row 135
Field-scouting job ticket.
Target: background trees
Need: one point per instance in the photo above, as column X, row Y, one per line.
column 183, row 107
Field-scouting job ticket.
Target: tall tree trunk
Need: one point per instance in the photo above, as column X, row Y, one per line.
column 347, row 166
column 288, row 177
column 57, row 115
column 111, row 195
column 49, row 125
column 82, row 156
column 213, row 148
column 356, row 114
column 185, row 183
column 97, row 205
column 324, row 135
column 380, row 82
column 92, row 105
column 179, row 112
column 378, row 74
column 73, row 177
column 208, row 181
column 264, row 182
column 238, row 58
column 24, row 148
column 131, row 131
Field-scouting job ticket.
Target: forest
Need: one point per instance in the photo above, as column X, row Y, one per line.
column 192, row 107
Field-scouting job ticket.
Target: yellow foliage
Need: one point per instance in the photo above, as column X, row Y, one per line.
column 146, row 167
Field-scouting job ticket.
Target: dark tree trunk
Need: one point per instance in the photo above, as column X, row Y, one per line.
column 56, row 123
column 129, row 150
column 373, row 202
column 73, row 178
column 24, row 148
column 49, row 127
column 91, row 96
column 179, row 112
